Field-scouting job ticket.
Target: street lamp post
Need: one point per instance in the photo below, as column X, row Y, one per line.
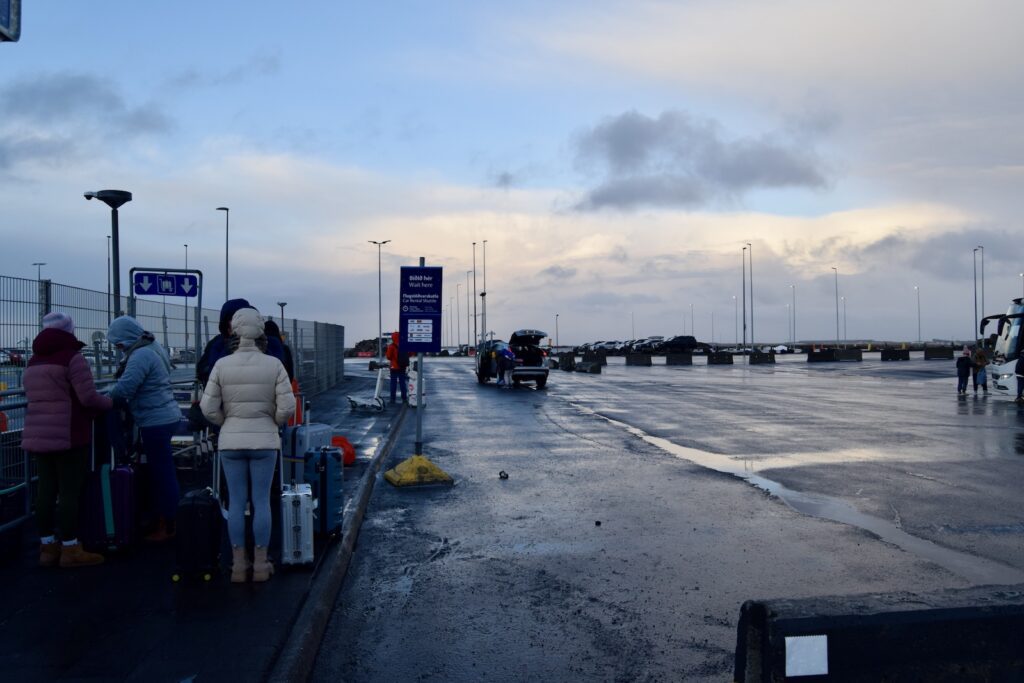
column 736, row 316
column 458, row 316
column 476, row 335
column 227, row 213
column 693, row 328
column 109, row 318
column 483, row 292
column 39, row 270
column 789, row 322
column 1022, row 284
column 793, row 288
column 556, row 331
column 114, row 199
column 282, row 304
column 982, row 250
column 380, row 309
column 836, row 271
column 743, row 289
column 751, row 258
column 845, row 338
column 186, row 302
column 974, row 335
column 917, row 290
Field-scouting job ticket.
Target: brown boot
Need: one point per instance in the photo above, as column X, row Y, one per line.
column 76, row 556
column 262, row 569
column 239, row 565
column 49, row 554
column 164, row 532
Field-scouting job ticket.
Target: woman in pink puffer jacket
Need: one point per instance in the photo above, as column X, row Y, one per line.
column 62, row 400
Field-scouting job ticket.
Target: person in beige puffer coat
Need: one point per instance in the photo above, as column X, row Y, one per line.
column 250, row 398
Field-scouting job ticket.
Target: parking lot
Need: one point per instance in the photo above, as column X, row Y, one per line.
column 644, row 505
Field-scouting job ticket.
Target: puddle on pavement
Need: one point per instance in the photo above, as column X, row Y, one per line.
column 975, row 569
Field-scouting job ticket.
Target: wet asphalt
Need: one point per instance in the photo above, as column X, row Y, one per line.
column 644, row 505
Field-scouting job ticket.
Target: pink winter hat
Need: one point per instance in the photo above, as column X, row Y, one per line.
column 60, row 321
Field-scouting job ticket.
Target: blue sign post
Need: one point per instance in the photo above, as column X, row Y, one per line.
column 420, row 309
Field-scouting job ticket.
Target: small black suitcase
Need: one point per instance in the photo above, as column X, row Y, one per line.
column 197, row 538
column 198, row 524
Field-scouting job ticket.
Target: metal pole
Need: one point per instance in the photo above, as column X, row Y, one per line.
column 458, row 318
column 975, row 334
column 227, row 225
column 793, row 287
column 632, row 323
column 483, row 293
column 693, row 326
column 117, row 263
column 736, row 319
column 109, row 317
column 186, row 302
column 918, row 291
column 837, row 305
column 476, row 334
column 789, row 322
column 845, row 337
column 380, row 308
column 419, row 391
column 983, row 310
column 712, row 326
column 751, row 257
column 556, row 331
column 469, row 342
column 744, row 288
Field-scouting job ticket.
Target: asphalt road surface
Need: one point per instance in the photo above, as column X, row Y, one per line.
column 644, row 505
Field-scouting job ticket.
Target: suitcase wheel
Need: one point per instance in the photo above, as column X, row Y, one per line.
column 207, row 577
column 175, row 577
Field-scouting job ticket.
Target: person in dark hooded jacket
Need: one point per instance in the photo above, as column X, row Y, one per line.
column 1018, row 370
column 272, row 331
column 221, row 346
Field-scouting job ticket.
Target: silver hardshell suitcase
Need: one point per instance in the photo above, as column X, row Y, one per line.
column 297, row 524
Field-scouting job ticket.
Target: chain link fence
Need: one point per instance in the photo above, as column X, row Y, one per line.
column 317, row 349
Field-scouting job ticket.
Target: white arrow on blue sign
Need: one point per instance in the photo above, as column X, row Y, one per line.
column 165, row 284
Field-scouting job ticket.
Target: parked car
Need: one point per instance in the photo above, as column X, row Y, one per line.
column 647, row 345
column 684, row 344
column 529, row 364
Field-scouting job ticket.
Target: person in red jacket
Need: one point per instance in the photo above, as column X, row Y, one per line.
column 62, row 400
column 399, row 365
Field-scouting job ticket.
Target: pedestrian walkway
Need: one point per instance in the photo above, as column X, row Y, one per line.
column 126, row 620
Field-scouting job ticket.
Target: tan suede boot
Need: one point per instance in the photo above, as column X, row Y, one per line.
column 76, row 556
column 262, row 569
column 239, row 565
column 49, row 554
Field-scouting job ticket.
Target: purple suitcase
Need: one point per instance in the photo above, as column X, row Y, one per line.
column 108, row 516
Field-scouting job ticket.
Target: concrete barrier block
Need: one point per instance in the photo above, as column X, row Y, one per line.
column 589, row 368
column 679, row 359
column 567, row 361
column 965, row 634
column 719, row 358
column 938, row 353
column 895, row 354
column 761, row 358
column 835, row 355
column 596, row 357
column 639, row 359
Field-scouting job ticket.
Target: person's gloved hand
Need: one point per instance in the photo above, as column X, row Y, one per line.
column 233, row 342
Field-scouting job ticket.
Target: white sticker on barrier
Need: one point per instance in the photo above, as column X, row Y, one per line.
column 806, row 655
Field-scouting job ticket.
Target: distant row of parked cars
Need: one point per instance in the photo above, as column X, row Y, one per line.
column 678, row 344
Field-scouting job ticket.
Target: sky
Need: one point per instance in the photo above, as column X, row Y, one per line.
column 615, row 156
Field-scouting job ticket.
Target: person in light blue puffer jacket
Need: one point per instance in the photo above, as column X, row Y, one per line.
column 144, row 384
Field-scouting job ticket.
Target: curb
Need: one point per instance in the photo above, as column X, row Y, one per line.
column 297, row 653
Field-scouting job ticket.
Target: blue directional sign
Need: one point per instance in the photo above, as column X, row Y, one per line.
column 420, row 309
column 165, row 284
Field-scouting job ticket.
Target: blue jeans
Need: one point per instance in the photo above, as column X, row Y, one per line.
column 961, row 382
column 241, row 468
column 402, row 379
column 156, row 444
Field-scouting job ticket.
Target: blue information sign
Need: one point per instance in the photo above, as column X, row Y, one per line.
column 165, row 284
column 420, row 309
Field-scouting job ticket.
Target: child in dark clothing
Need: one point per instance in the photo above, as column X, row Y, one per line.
column 963, row 371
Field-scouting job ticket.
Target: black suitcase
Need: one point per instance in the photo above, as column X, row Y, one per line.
column 199, row 523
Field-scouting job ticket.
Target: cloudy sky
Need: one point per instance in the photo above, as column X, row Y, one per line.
column 616, row 156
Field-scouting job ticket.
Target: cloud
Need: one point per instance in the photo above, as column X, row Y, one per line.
column 52, row 117
column 557, row 272
column 257, row 66
column 677, row 160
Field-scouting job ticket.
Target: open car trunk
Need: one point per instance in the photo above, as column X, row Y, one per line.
column 525, row 345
